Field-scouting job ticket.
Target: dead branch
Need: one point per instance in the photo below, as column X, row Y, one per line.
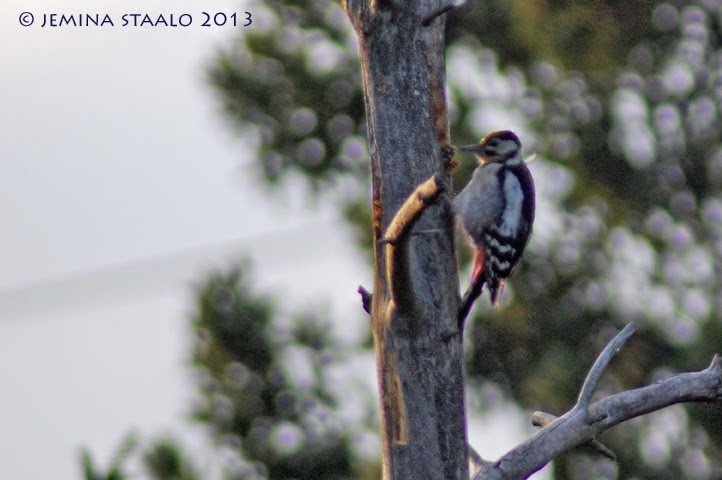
column 396, row 238
column 415, row 292
column 584, row 422
column 476, row 462
column 424, row 195
column 597, row 370
column 542, row 419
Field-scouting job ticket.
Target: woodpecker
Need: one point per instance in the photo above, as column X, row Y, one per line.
column 497, row 209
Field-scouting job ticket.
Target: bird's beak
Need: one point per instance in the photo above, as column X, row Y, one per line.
column 475, row 148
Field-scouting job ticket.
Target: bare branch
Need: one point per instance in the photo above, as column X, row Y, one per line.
column 424, row 195
column 542, row 419
column 597, row 370
column 584, row 422
column 477, row 463
column 397, row 235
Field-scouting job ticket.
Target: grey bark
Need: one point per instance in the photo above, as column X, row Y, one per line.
column 416, row 299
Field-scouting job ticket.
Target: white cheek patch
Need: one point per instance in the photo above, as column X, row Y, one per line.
column 506, row 148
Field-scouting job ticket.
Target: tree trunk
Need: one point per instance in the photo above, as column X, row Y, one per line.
column 416, row 300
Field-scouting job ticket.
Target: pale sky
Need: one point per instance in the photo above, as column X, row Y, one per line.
column 120, row 184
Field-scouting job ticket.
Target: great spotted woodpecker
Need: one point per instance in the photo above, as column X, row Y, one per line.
column 497, row 209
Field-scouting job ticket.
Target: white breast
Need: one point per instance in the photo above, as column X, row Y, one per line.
column 480, row 203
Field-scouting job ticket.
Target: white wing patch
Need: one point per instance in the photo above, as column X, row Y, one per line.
column 511, row 216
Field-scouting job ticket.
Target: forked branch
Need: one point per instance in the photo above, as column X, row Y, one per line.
column 585, row 421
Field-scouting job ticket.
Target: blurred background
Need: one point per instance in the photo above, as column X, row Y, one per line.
column 186, row 220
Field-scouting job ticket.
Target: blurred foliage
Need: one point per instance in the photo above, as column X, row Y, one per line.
column 621, row 103
column 117, row 468
column 295, row 82
column 165, row 460
column 268, row 385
